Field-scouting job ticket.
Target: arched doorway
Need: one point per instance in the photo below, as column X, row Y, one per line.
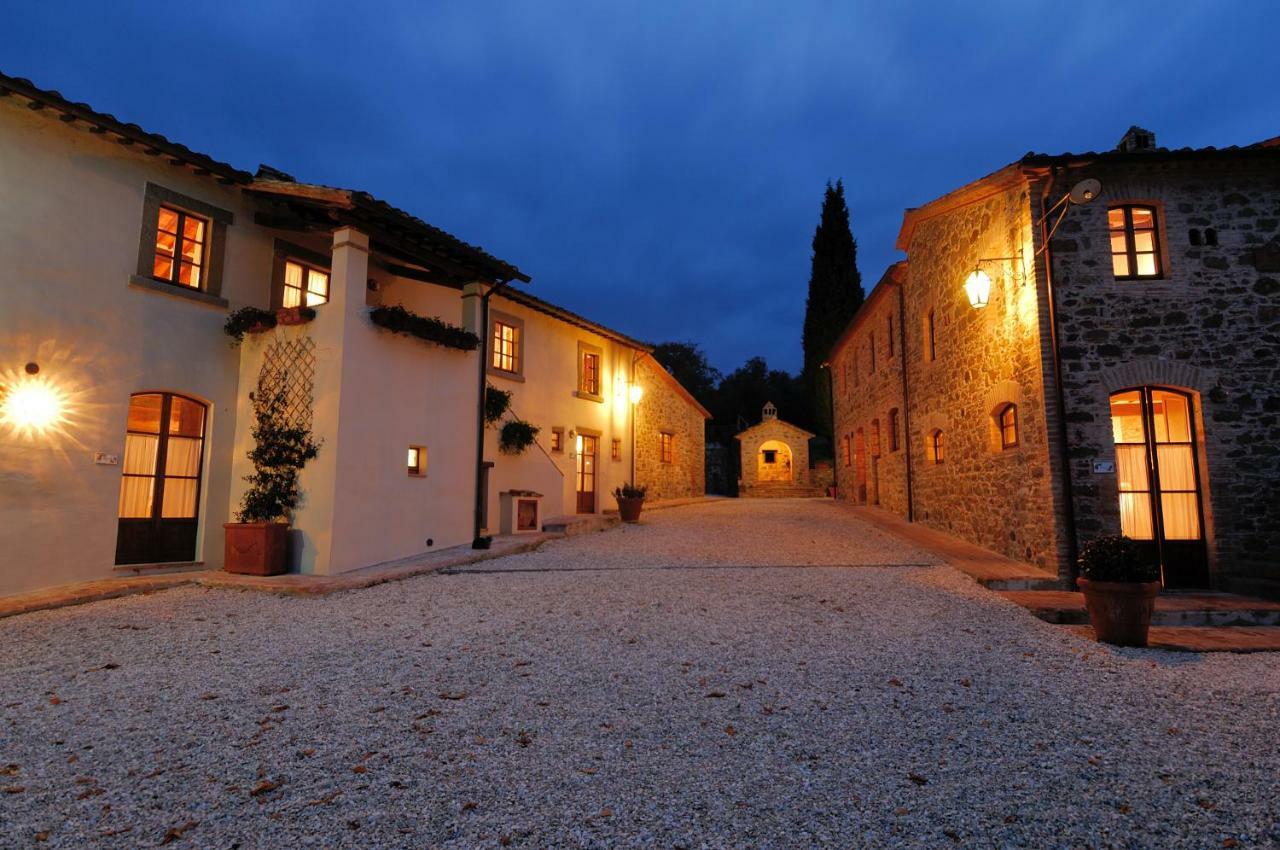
column 1158, row 479
column 773, row 461
column 160, row 482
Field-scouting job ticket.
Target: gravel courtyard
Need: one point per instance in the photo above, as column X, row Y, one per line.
column 732, row 674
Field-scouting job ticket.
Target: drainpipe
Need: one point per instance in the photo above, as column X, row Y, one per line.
column 906, row 400
column 483, row 385
column 1068, row 507
column 835, row 455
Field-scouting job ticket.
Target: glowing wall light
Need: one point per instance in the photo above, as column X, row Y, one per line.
column 636, row 393
column 32, row 405
column 978, row 287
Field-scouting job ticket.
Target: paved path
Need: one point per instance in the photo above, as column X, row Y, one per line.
column 773, row 673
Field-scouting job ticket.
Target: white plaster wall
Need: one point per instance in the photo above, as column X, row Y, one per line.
column 546, row 399
column 69, row 228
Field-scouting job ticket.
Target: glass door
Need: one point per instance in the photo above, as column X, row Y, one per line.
column 160, row 484
column 1158, row 477
column 586, row 474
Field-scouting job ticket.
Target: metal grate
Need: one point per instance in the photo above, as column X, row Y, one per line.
column 291, row 364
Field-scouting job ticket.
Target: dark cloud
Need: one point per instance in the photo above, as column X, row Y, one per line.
column 659, row 166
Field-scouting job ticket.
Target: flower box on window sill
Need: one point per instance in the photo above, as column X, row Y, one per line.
column 295, row 315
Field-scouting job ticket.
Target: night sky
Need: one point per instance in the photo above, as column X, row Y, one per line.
column 659, row 166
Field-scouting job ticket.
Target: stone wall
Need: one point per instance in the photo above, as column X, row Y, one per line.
column 1210, row 327
column 865, row 398
column 663, row 408
column 750, row 442
column 985, row 358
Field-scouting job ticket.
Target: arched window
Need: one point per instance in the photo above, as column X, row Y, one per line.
column 1007, row 422
column 937, row 449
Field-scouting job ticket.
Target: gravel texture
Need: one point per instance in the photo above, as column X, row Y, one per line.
column 666, row 685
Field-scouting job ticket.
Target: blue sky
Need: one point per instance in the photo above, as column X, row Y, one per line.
column 659, row 166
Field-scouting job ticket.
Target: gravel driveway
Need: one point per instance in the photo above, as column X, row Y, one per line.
column 733, row 674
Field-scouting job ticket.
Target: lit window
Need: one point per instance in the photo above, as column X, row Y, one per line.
column 616, row 451
column 937, row 451
column 506, row 347
column 589, row 377
column 666, row 445
column 557, row 439
column 1008, row 421
column 304, row 286
column 417, row 461
column 1135, row 246
column 180, row 247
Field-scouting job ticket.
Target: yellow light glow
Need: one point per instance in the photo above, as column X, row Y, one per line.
column 578, row 444
column 32, row 405
column 636, row 393
column 978, row 287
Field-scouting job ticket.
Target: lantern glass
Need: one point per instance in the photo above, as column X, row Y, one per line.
column 637, row 393
column 978, row 287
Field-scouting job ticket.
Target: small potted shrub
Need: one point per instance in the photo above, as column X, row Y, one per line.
column 630, row 501
column 258, row 542
column 1120, row 580
column 515, row 436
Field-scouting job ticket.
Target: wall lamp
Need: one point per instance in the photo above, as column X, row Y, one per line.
column 31, row 404
column 977, row 286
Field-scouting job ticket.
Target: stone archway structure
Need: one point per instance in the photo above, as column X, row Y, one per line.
column 774, row 458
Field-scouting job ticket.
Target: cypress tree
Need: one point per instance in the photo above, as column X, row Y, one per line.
column 835, row 294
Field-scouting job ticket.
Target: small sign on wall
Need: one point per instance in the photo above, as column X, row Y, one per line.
column 104, row 459
column 1104, row 467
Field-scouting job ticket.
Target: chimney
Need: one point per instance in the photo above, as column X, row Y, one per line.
column 1137, row 139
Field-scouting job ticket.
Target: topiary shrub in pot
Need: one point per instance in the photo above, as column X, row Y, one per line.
column 630, row 501
column 258, row 542
column 1120, row 580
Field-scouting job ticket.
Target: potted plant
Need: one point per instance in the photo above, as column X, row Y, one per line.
column 299, row 315
column 257, row 543
column 248, row 320
column 515, row 436
column 630, row 501
column 1120, row 580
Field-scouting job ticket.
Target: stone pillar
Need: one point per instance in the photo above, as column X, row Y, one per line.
column 339, row 401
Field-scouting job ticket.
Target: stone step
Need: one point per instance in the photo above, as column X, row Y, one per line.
column 574, row 524
column 1173, row 609
column 1207, row 639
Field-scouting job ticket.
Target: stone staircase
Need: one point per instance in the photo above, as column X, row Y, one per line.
column 784, row 491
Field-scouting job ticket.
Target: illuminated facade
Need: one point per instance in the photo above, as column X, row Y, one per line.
column 1120, row 378
column 124, row 407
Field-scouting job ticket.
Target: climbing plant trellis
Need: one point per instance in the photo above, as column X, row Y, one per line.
column 291, row 365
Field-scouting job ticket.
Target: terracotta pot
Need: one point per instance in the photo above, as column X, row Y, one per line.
column 294, row 315
column 1120, row 611
column 629, row 509
column 257, row 548
column 258, row 328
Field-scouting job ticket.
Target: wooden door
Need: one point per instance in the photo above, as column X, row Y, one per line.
column 586, row 474
column 160, row 482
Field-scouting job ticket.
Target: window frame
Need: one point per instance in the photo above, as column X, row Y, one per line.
column 217, row 221
column 937, row 447
column 419, row 471
column 586, row 350
column 175, row 259
column 1002, row 428
column 304, row 290
column 666, row 447
column 1130, row 240
column 497, row 318
column 557, row 439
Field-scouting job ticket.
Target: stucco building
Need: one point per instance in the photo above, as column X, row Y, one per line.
column 1082, row 344
column 126, row 413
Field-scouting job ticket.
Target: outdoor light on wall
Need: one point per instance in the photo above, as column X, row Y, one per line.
column 978, row 287
column 636, row 393
column 31, row 404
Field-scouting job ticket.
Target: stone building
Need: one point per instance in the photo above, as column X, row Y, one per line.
column 670, row 448
column 774, row 458
column 1084, row 344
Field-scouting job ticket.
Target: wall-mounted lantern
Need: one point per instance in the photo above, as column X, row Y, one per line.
column 978, row 287
column 636, row 392
column 31, row 404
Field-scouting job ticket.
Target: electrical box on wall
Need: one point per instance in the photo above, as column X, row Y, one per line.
column 104, row 459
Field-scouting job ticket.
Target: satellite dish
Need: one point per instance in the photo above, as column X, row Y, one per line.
column 1085, row 191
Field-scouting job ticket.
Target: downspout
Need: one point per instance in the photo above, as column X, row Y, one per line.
column 480, row 405
column 906, row 399
column 831, row 399
column 1068, row 507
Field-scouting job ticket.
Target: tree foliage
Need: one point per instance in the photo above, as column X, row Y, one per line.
column 688, row 364
column 835, row 294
